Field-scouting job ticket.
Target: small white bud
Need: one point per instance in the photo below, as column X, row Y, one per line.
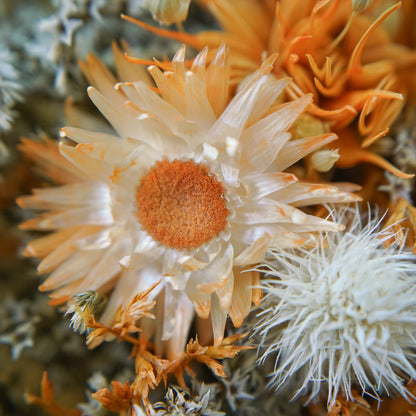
column 168, row 12
column 359, row 6
column 324, row 160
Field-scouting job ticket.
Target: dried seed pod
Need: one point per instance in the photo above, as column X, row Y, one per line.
column 84, row 305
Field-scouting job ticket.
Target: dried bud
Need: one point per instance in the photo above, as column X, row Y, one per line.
column 323, row 160
column 94, row 300
column 359, row 6
column 168, row 11
column 84, row 305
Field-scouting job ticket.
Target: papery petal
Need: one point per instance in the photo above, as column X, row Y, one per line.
column 71, row 217
column 184, row 315
column 128, row 285
column 168, row 87
column 235, row 116
column 200, row 300
column 117, row 115
column 125, row 70
column 296, row 149
column 225, row 294
column 173, row 301
column 43, row 246
column 107, row 268
column 262, row 184
column 61, row 252
column 272, row 89
column 173, row 271
column 95, row 169
column 101, row 78
column 217, row 80
column 263, row 150
column 255, row 252
column 148, row 101
column 242, row 294
column 218, row 319
column 87, row 136
column 270, row 211
column 197, row 105
column 302, row 194
column 214, row 276
column 71, row 270
column 280, row 120
column 80, row 194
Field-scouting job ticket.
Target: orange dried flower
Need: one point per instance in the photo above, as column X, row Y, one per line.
column 120, row 398
column 358, row 74
column 209, row 356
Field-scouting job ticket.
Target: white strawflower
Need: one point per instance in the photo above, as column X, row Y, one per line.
column 341, row 314
column 189, row 189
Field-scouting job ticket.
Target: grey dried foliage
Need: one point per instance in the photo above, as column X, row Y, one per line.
column 10, row 88
column 400, row 146
column 200, row 402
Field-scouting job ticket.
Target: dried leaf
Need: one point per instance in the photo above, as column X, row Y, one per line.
column 206, row 355
column 150, row 370
column 138, row 307
column 120, row 398
column 47, row 400
column 402, row 219
column 125, row 321
column 356, row 407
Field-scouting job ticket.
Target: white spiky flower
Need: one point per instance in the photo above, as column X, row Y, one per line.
column 188, row 190
column 341, row 314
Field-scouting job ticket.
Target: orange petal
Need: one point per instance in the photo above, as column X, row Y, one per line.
column 242, row 295
column 357, row 73
column 351, row 154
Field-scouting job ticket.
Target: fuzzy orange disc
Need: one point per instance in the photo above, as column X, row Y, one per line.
column 180, row 204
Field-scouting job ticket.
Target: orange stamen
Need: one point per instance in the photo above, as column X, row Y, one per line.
column 179, row 36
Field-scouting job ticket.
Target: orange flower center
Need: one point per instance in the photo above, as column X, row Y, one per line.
column 181, row 204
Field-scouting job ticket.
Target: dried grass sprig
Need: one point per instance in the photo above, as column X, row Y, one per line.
column 47, row 400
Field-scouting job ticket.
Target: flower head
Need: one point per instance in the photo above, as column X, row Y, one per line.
column 342, row 314
column 189, row 189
